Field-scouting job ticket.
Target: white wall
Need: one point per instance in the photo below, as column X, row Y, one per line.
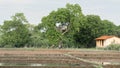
column 113, row 40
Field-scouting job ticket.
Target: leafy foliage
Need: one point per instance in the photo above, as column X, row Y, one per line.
column 38, row 40
column 62, row 24
column 14, row 32
column 92, row 28
column 113, row 47
column 66, row 27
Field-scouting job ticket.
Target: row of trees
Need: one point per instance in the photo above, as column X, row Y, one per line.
column 66, row 27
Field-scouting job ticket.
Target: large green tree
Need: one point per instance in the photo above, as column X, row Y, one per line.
column 93, row 27
column 62, row 24
column 89, row 31
column 14, row 31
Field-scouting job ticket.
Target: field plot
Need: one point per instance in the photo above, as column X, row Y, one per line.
column 55, row 58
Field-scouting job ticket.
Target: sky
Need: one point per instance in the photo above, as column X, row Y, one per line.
column 34, row 10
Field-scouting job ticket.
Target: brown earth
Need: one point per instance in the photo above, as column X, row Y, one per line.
column 59, row 58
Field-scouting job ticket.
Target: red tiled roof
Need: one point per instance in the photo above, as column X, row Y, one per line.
column 104, row 37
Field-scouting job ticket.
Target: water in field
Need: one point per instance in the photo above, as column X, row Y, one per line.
column 36, row 64
column 19, row 64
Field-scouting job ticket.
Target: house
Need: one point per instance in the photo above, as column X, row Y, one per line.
column 104, row 41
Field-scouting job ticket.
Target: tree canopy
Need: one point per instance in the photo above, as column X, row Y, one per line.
column 62, row 24
column 65, row 27
column 14, row 32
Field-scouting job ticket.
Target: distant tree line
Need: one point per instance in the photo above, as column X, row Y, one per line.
column 66, row 27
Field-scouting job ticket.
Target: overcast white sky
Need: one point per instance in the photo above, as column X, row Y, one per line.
column 34, row 10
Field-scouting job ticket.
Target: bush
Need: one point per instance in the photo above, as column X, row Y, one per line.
column 8, row 46
column 113, row 47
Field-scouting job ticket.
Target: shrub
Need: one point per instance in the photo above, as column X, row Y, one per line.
column 113, row 47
